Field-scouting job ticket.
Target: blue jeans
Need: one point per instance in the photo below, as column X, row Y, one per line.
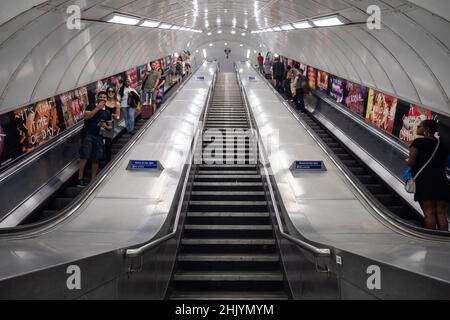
column 129, row 115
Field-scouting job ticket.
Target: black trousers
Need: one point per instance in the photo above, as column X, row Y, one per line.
column 300, row 101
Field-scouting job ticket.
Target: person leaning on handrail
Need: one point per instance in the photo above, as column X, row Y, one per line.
column 432, row 190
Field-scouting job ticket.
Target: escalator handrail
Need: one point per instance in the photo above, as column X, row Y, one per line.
column 34, row 229
column 140, row 251
column 387, row 218
column 390, row 140
column 316, row 251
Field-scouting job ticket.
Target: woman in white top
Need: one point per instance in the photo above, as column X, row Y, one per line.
column 128, row 111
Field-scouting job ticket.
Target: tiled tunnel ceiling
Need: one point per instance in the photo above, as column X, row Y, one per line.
column 408, row 57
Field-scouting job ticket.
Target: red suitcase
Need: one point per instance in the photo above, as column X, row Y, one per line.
column 146, row 112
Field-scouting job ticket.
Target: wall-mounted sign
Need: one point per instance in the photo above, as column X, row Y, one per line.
column 310, row 166
column 200, row 78
column 252, row 78
column 144, row 165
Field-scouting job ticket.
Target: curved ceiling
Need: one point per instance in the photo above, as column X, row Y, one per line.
column 408, row 57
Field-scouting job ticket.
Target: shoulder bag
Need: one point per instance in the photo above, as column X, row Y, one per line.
column 410, row 185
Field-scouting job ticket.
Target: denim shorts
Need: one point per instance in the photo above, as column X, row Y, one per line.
column 92, row 148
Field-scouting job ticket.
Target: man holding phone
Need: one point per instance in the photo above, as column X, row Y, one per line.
column 96, row 117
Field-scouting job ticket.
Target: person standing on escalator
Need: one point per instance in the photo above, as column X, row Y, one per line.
column 113, row 105
column 127, row 98
column 301, row 87
column 96, row 117
column 428, row 160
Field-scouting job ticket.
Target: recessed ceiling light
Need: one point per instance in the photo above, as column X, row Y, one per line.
column 328, row 21
column 175, row 28
column 124, row 19
column 302, row 25
column 150, row 24
column 233, row 32
column 209, row 33
column 287, row 27
column 219, row 32
column 165, row 26
column 210, row 44
column 277, row 29
column 243, row 34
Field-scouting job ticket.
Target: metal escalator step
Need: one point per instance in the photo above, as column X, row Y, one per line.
column 229, row 295
column 375, row 188
column 72, row 192
column 229, row 276
column 229, row 214
column 60, row 203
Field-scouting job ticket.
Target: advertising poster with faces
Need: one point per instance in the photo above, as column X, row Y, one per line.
column 132, row 74
column 356, row 98
column 337, row 89
column 73, row 105
column 304, row 67
column 409, row 116
column 322, row 80
column 381, row 110
column 37, row 124
column 312, row 77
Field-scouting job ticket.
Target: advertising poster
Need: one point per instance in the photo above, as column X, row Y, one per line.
column 114, row 82
column 355, row 98
column 73, row 105
column 408, row 118
column 133, row 76
column 322, row 80
column 337, row 89
column 304, row 67
column 312, row 77
column 37, row 124
column 381, row 110
column 9, row 139
column 167, row 63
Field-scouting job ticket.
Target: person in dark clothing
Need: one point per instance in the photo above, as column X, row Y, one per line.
column 92, row 148
column 287, row 82
column 301, row 84
column 432, row 190
column 278, row 73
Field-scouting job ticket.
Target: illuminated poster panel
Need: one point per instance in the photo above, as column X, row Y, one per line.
column 356, row 98
column 312, row 77
column 409, row 116
column 322, row 80
column 73, row 105
column 337, row 89
column 381, row 109
column 37, row 124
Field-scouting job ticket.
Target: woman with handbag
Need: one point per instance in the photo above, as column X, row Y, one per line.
column 428, row 159
column 128, row 109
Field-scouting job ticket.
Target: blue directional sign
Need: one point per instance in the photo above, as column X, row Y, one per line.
column 200, row 78
column 252, row 78
column 144, row 165
column 308, row 166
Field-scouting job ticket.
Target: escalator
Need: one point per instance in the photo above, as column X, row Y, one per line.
column 388, row 198
column 67, row 194
column 228, row 248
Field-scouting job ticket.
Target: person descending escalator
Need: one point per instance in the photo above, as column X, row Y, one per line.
column 301, row 89
column 428, row 161
column 278, row 73
column 128, row 98
column 260, row 63
column 96, row 117
column 113, row 105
